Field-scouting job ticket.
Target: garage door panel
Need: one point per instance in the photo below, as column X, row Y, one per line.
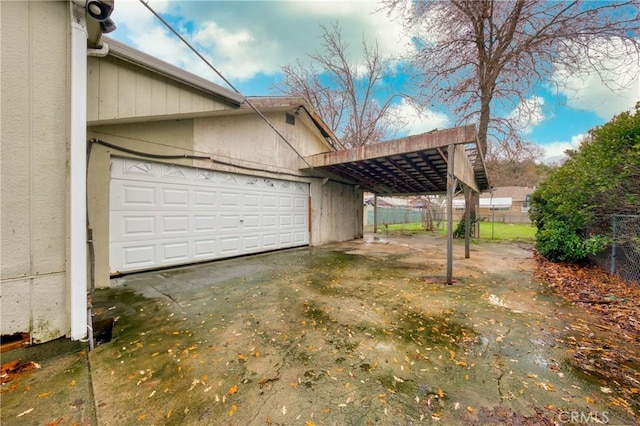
column 286, row 202
column 172, row 197
column 230, row 245
column 300, row 237
column 229, row 222
column 251, row 243
column 251, row 201
column 286, row 220
column 204, row 199
column 269, row 221
column 172, row 225
column 163, row 215
column 300, row 203
column 204, row 223
column 174, row 251
column 269, row 202
column 132, row 226
column 133, row 195
column 205, row 249
column 229, row 199
column 132, row 257
column 250, row 222
column 285, row 238
column 270, row 240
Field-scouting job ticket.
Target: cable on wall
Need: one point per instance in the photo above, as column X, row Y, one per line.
column 185, row 157
column 194, row 50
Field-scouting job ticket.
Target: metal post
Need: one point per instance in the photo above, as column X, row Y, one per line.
column 375, row 213
column 614, row 225
column 467, row 220
column 451, row 186
column 493, row 220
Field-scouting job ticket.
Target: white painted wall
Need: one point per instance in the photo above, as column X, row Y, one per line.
column 34, row 168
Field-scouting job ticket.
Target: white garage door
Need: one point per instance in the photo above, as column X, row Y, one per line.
column 164, row 215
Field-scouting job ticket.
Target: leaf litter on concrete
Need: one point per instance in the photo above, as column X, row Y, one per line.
column 605, row 348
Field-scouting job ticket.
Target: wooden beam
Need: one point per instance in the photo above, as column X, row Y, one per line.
column 463, row 169
column 433, row 140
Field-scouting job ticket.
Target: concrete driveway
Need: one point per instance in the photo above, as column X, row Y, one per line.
column 356, row 333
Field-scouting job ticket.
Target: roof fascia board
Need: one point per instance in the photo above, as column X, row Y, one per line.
column 136, row 57
column 432, row 140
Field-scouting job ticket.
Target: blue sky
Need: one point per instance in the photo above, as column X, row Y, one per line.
column 249, row 42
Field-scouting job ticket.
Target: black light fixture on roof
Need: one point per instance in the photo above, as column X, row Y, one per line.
column 100, row 10
column 107, row 26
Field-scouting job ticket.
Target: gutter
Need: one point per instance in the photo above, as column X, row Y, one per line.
column 77, row 175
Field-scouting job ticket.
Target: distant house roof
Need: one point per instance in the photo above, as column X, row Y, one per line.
column 517, row 193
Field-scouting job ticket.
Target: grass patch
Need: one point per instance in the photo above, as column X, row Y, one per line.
column 488, row 230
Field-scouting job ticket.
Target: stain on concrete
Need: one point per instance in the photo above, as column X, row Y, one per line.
column 348, row 334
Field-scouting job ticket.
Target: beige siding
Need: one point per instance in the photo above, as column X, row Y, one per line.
column 120, row 91
column 34, row 167
column 249, row 138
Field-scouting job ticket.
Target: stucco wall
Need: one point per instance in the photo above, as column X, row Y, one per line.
column 336, row 212
column 33, row 161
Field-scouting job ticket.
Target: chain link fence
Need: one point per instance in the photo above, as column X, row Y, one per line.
column 622, row 255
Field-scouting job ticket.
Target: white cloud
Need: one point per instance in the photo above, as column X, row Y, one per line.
column 419, row 121
column 527, row 114
column 246, row 38
column 587, row 91
column 554, row 152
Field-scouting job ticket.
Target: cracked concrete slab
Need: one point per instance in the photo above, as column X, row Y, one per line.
column 356, row 333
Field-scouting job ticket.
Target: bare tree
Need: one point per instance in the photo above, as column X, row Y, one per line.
column 346, row 94
column 482, row 56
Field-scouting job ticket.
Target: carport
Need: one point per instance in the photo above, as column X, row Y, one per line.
column 436, row 162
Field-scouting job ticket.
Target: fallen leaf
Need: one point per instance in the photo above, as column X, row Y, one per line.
column 233, row 409
column 25, row 412
column 233, row 389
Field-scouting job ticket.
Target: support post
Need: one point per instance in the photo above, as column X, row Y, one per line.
column 614, row 225
column 451, row 186
column 375, row 213
column 467, row 221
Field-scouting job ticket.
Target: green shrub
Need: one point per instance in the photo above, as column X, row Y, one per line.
column 558, row 244
column 599, row 179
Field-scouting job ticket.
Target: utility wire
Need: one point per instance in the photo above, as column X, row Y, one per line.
column 193, row 49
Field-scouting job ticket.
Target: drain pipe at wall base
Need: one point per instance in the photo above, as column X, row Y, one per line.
column 77, row 174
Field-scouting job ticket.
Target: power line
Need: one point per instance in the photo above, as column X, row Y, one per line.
column 193, row 49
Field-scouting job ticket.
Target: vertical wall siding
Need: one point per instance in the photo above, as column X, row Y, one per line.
column 118, row 90
column 34, row 168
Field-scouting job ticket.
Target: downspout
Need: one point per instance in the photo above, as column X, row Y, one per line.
column 77, row 174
